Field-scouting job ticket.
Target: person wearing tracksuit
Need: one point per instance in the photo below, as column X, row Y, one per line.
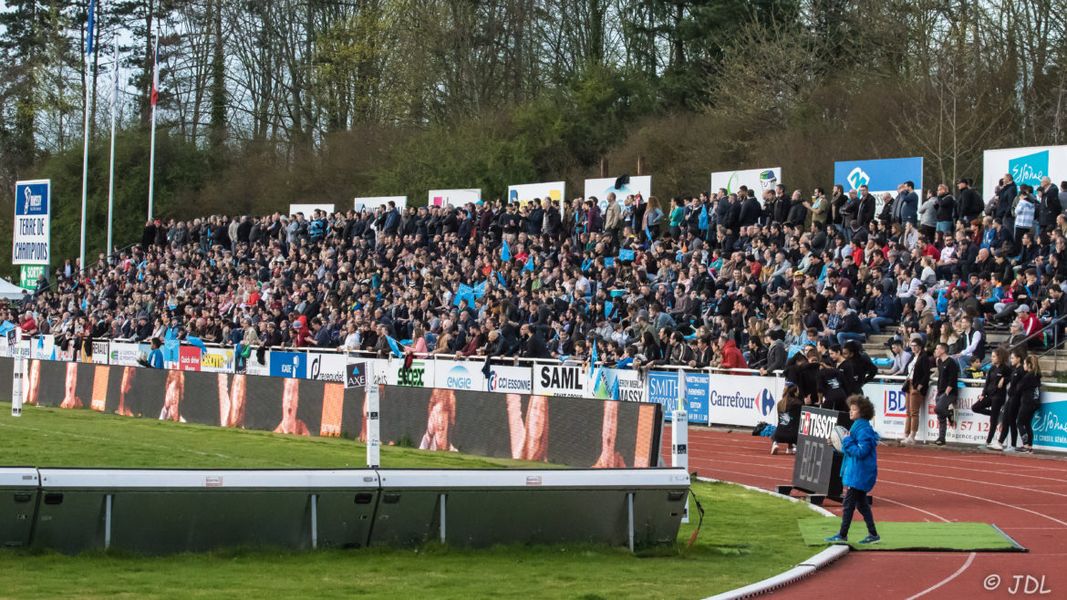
column 994, row 392
column 1009, row 415
column 859, row 470
column 1029, row 394
column 948, row 378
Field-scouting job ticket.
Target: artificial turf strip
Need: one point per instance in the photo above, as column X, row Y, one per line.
column 919, row 536
column 746, row 536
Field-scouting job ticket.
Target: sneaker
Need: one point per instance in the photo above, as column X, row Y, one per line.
column 1010, row 449
column 940, row 442
column 836, row 539
column 907, row 441
column 792, row 449
column 871, row 539
column 774, row 448
column 996, row 445
column 1026, row 449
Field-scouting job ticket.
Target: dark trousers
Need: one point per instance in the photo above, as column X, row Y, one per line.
column 990, row 408
column 1008, row 418
column 944, row 401
column 1025, row 422
column 856, row 500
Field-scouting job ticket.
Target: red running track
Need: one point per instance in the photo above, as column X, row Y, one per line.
column 1026, row 496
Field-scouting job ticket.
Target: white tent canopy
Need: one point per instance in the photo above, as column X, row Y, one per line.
column 10, row 291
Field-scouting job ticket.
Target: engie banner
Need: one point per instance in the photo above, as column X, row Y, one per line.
column 373, row 202
column 454, row 198
column 309, row 209
column 880, row 175
column 756, row 180
column 458, row 375
column 528, row 192
column 31, row 240
column 1025, row 165
column 640, row 184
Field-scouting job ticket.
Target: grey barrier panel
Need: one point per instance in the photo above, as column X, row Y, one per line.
column 18, row 505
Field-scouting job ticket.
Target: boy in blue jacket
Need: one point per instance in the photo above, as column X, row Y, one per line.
column 859, row 470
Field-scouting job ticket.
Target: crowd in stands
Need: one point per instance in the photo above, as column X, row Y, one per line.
column 733, row 280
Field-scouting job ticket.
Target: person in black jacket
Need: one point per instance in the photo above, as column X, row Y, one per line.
column 948, row 377
column 788, row 419
column 970, row 205
column 916, row 386
column 1028, row 393
column 832, row 386
column 1009, row 415
column 994, row 392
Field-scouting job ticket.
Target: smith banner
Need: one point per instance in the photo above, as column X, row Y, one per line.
column 31, row 242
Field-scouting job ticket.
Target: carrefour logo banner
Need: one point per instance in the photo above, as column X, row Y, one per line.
column 32, row 238
column 1025, row 165
column 744, row 401
column 455, row 375
column 879, row 175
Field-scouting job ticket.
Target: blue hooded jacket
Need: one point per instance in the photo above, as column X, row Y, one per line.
column 860, row 468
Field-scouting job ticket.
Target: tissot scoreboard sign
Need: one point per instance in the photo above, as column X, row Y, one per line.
column 32, row 237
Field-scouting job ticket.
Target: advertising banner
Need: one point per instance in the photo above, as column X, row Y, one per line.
column 217, row 360
column 745, row 401
column 43, row 347
column 601, row 187
column 372, row 202
column 510, row 380
column 32, row 237
column 617, row 384
column 528, row 192
column 288, row 364
column 971, row 428
column 189, row 358
column 326, row 366
column 100, row 352
column 126, row 353
column 458, row 375
column 880, row 175
column 254, row 367
column 663, row 390
column 1025, row 165
column 890, row 408
column 29, row 275
column 559, row 380
column 420, row 374
column 454, row 198
column 309, row 209
column 756, row 180
column 1050, row 422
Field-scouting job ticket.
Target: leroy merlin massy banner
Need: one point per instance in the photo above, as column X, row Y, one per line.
column 31, row 241
column 1025, row 165
column 757, row 180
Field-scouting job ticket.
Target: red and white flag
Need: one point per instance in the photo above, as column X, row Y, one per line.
column 155, row 75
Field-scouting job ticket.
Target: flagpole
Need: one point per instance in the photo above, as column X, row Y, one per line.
column 152, row 165
column 111, row 169
column 85, row 138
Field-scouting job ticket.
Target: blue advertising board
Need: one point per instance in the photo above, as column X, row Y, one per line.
column 663, row 390
column 879, row 175
column 1050, row 425
column 288, row 364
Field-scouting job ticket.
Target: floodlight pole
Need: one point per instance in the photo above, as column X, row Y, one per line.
column 680, row 436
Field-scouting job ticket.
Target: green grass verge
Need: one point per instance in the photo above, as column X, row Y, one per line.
column 919, row 536
column 746, row 536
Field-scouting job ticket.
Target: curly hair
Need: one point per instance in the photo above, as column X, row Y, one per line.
column 864, row 404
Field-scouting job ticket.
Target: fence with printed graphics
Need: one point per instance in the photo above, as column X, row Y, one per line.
column 741, row 398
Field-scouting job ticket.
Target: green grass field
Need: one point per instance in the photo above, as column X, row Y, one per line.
column 746, row 536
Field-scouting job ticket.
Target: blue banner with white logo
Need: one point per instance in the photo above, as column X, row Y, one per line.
column 288, row 364
column 663, row 390
column 879, row 175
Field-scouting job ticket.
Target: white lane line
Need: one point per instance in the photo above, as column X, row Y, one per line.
column 966, row 565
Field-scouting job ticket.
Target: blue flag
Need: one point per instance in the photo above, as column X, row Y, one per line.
column 192, row 340
column 464, row 292
column 90, row 25
column 626, row 255
column 529, row 266
column 500, row 278
column 702, row 221
column 609, row 261
column 586, row 264
column 505, row 251
column 479, row 288
column 609, row 308
column 593, row 358
column 5, row 327
column 394, row 346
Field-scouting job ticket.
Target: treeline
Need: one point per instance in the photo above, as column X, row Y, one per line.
column 266, row 103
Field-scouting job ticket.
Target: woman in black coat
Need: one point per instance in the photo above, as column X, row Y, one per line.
column 1009, row 415
column 788, row 420
column 995, row 392
column 916, row 386
column 1029, row 394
